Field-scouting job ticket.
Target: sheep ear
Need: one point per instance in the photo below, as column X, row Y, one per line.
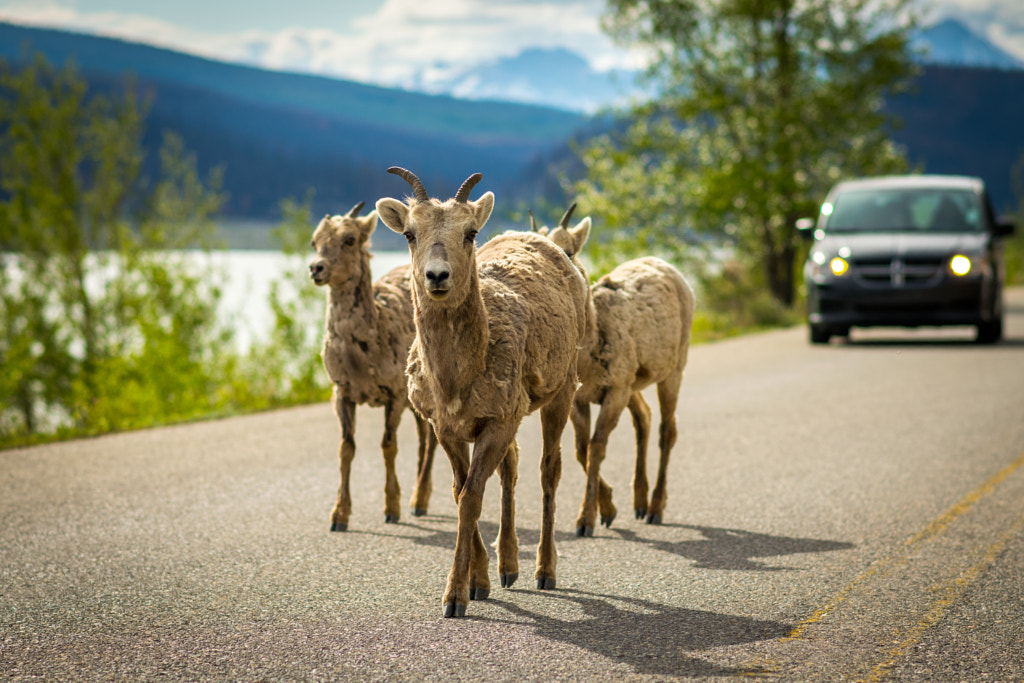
column 367, row 225
column 580, row 234
column 393, row 214
column 483, row 207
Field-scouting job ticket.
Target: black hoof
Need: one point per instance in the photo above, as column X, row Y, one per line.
column 607, row 521
column 546, row 583
column 584, row 530
column 479, row 593
column 508, row 579
column 339, row 526
column 419, row 512
column 640, row 514
column 454, row 609
column 391, row 519
column 654, row 518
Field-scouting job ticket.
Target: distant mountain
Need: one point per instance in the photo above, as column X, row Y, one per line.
column 950, row 42
column 554, row 77
column 337, row 99
column 278, row 134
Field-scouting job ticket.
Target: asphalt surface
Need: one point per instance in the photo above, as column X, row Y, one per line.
column 849, row 512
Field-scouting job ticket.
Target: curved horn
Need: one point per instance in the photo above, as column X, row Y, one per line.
column 463, row 194
column 564, row 223
column 356, row 209
column 533, row 223
column 410, row 177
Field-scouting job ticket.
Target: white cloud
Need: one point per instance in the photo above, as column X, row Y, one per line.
column 397, row 45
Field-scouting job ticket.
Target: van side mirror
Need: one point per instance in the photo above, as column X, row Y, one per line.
column 805, row 226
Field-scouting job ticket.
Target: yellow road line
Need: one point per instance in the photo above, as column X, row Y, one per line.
column 950, row 591
column 887, row 564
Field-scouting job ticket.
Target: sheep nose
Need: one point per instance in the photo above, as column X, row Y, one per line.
column 316, row 268
column 437, row 273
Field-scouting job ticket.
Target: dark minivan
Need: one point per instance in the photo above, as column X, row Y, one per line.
column 905, row 251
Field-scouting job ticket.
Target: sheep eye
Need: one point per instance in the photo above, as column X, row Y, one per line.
column 312, row 244
column 349, row 241
column 471, row 235
column 411, row 238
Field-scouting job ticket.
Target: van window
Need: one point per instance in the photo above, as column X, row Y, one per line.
column 905, row 209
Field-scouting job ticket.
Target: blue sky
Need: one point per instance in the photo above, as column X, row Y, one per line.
column 393, row 42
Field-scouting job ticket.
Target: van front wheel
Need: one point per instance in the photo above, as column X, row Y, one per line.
column 820, row 334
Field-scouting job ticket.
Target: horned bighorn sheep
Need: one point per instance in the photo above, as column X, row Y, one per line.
column 369, row 328
column 497, row 330
column 642, row 314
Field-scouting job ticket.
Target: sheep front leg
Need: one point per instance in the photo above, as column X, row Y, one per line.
column 508, row 542
column 668, row 397
column 641, row 413
column 468, row 578
column 611, row 408
column 389, row 448
column 346, row 412
column 424, row 466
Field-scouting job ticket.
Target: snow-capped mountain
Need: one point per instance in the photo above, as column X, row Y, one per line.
column 951, row 42
column 554, row 77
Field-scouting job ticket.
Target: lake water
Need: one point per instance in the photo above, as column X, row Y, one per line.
column 247, row 278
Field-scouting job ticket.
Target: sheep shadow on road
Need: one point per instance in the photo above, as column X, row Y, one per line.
column 733, row 549
column 720, row 548
column 665, row 635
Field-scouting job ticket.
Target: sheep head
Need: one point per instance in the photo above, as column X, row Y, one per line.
column 340, row 243
column 570, row 240
column 441, row 236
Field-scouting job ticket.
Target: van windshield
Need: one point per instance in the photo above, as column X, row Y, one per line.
column 904, row 209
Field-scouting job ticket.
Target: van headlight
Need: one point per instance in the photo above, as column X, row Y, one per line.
column 960, row 265
column 839, row 266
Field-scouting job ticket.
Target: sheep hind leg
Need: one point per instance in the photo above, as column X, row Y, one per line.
column 346, row 412
column 580, row 417
column 424, row 466
column 641, row 413
column 553, row 418
column 389, row 448
column 508, row 542
column 607, row 418
column 668, row 397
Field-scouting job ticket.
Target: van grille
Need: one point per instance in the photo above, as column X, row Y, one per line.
column 897, row 272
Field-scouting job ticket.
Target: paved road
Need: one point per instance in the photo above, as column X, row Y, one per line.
column 850, row 512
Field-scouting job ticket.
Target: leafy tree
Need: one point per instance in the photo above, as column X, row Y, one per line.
column 761, row 105
column 100, row 328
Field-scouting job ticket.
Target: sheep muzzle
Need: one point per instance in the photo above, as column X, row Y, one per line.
column 318, row 272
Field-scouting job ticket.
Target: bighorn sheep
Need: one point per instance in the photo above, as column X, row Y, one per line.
column 642, row 314
column 497, row 331
column 369, row 328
